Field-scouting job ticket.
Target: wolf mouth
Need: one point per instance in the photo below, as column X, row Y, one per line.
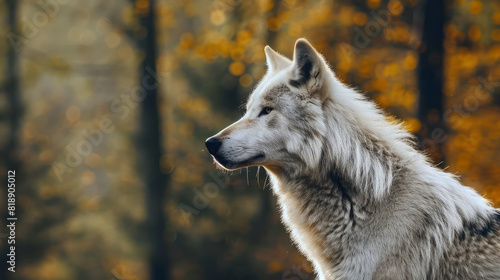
column 232, row 165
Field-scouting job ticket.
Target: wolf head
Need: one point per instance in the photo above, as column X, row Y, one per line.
column 284, row 120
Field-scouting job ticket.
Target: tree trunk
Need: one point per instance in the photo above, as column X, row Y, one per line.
column 150, row 150
column 430, row 80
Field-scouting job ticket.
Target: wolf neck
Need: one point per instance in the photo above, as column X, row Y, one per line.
column 331, row 200
column 322, row 213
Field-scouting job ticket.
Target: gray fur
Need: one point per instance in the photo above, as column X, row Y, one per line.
column 359, row 201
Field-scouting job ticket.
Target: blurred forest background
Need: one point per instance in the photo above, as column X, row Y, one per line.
column 105, row 106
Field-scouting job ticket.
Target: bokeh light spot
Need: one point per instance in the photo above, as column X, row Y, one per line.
column 246, row 80
column 475, row 7
column 73, row 113
column 273, row 24
column 360, row 18
column 217, row 17
column 88, row 177
column 474, row 33
column 237, row 68
column 113, row 39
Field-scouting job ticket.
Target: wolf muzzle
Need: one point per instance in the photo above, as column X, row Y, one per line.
column 213, row 145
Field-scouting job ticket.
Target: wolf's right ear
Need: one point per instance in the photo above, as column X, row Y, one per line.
column 275, row 61
column 308, row 67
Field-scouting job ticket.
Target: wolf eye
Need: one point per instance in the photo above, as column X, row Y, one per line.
column 265, row 111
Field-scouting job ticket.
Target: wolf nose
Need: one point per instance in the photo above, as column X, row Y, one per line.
column 213, row 144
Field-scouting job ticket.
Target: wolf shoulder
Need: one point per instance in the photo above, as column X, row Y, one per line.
column 475, row 253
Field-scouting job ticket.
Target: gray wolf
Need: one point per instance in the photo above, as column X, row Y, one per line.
column 358, row 199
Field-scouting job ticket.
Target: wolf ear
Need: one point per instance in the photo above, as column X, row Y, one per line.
column 308, row 67
column 274, row 60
